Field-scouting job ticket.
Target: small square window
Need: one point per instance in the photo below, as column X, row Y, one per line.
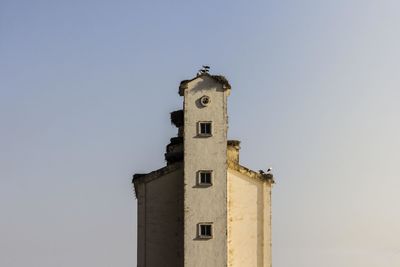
column 205, row 177
column 205, row 230
column 204, row 128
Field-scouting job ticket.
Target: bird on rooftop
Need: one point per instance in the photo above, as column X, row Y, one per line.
column 263, row 172
column 205, row 69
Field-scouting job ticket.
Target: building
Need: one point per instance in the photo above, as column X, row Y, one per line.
column 203, row 209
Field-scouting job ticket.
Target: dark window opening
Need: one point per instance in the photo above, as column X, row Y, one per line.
column 205, row 230
column 205, row 128
column 205, row 177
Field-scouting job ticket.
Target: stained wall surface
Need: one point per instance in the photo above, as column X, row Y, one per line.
column 249, row 221
column 205, row 204
column 160, row 213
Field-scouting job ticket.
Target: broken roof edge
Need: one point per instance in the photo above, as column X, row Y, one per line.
column 218, row 78
column 139, row 178
column 250, row 173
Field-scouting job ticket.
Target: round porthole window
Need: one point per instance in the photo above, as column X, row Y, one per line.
column 205, row 100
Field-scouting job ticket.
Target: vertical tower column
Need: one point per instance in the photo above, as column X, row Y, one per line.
column 205, row 171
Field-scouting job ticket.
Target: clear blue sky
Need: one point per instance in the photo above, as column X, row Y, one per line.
column 86, row 88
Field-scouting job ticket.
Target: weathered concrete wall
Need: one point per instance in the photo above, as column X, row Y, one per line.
column 205, row 204
column 160, row 221
column 233, row 153
column 249, row 221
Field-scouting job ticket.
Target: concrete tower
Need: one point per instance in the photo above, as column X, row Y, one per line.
column 203, row 209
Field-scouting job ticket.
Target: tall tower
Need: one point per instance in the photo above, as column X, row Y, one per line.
column 203, row 209
column 205, row 143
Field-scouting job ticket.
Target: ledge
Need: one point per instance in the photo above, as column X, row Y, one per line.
column 252, row 174
column 139, row 178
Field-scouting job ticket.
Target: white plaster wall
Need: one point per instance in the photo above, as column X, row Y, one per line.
column 205, row 204
column 249, row 221
column 160, row 225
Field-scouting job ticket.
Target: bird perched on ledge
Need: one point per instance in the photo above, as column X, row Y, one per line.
column 205, row 69
column 268, row 171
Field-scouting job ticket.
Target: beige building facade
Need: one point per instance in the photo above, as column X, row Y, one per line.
column 203, row 209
